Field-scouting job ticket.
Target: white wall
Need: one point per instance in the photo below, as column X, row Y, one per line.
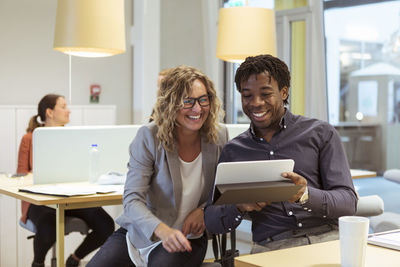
column 190, row 29
column 182, row 30
column 146, row 65
column 30, row 68
column 167, row 34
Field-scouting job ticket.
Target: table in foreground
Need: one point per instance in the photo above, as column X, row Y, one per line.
column 9, row 187
column 356, row 174
column 317, row 255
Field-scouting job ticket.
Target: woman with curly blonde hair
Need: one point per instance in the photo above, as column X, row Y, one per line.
column 169, row 101
column 171, row 171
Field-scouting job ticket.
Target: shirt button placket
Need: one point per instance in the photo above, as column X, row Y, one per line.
column 271, row 154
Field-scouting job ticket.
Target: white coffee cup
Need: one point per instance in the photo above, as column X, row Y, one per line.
column 353, row 233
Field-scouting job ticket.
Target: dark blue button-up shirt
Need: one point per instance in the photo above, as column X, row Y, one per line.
column 319, row 157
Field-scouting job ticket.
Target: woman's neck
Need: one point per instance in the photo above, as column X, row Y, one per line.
column 189, row 145
column 51, row 123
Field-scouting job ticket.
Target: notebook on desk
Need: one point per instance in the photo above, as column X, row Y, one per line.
column 61, row 154
column 389, row 239
column 253, row 181
column 67, row 190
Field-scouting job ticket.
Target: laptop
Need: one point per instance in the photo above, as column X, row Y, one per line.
column 61, row 154
column 253, row 181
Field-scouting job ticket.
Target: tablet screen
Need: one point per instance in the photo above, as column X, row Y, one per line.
column 252, row 171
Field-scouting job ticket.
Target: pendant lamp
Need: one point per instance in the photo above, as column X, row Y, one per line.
column 90, row 28
column 245, row 31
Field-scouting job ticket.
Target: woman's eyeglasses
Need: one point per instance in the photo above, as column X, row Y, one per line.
column 203, row 100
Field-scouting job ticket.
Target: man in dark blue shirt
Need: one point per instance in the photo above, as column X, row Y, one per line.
column 321, row 166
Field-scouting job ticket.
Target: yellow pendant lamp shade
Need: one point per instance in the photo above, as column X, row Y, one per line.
column 90, row 28
column 245, row 31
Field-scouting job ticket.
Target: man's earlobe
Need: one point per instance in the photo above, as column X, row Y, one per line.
column 284, row 93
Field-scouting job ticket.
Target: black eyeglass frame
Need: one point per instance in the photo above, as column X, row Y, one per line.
column 198, row 101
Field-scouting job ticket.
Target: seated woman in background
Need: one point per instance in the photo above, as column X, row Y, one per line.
column 53, row 111
column 170, row 175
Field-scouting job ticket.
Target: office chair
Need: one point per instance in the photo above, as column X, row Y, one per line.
column 368, row 206
column 392, row 175
column 388, row 220
column 72, row 224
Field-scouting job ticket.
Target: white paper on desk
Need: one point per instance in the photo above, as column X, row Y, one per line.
column 389, row 239
column 70, row 190
column 112, row 177
column 109, row 188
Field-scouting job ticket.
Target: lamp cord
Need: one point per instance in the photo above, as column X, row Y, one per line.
column 69, row 79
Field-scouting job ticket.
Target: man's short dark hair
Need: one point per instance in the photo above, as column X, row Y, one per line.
column 264, row 63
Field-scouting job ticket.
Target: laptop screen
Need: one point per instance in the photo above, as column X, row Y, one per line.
column 61, row 154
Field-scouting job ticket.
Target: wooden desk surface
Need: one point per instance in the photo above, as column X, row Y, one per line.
column 355, row 174
column 9, row 186
column 317, row 255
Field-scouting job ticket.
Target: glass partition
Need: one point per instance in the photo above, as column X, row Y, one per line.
column 362, row 40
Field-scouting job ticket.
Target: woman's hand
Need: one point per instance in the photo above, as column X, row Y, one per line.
column 194, row 223
column 173, row 240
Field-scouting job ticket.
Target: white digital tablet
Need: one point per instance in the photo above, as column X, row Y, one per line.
column 252, row 171
column 253, row 181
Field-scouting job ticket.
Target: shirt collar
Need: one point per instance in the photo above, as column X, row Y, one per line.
column 282, row 123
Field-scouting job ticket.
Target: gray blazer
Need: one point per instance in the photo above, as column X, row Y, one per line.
column 153, row 187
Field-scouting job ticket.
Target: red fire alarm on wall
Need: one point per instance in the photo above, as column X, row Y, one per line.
column 95, row 90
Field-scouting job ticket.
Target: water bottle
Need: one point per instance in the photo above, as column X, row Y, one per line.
column 94, row 163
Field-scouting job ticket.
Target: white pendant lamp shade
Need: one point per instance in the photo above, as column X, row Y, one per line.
column 90, row 28
column 245, row 31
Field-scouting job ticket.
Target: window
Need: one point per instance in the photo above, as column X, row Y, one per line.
column 363, row 79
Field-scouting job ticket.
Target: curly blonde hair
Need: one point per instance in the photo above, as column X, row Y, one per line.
column 174, row 87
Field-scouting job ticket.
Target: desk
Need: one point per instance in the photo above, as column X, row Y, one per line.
column 317, row 255
column 355, row 174
column 9, row 187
